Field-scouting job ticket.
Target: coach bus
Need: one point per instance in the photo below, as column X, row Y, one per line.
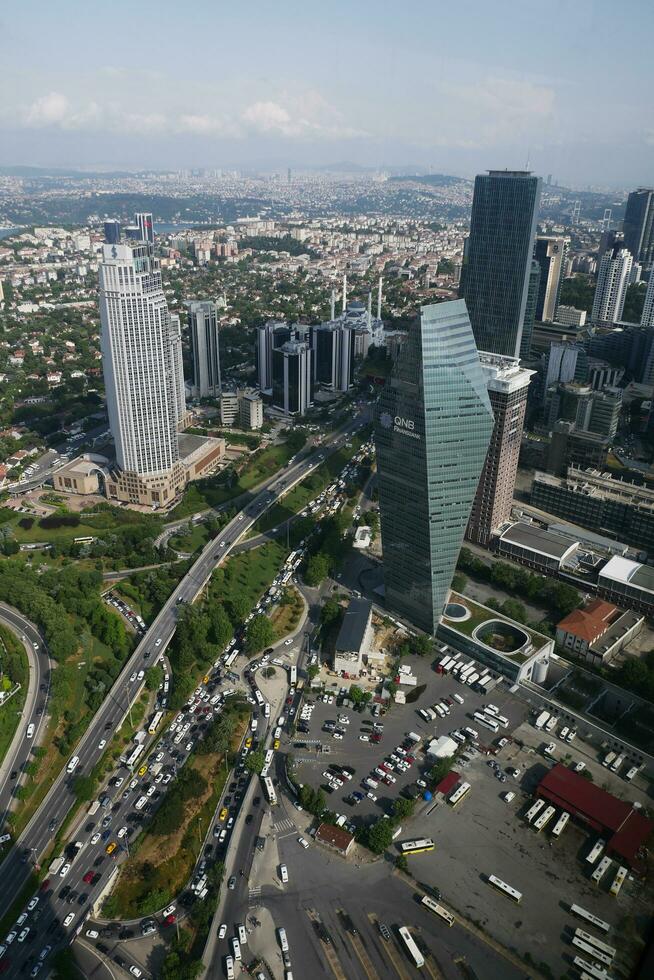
column 585, row 947
column 595, row 852
column 588, row 917
column 459, row 793
column 156, row 721
column 269, row 790
column 544, row 818
column 596, row 943
column 417, row 846
column 505, row 889
column 590, row 971
column 618, row 881
column 438, row 910
column 411, row 947
column 534, row 810
column 560, row 824
column 601, row 870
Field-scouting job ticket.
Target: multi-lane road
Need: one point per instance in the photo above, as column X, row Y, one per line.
column 15, row 868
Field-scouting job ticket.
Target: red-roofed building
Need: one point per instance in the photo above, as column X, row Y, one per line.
column 621, row 824
column 598, row 631
column 447, row 783
column 334, row 837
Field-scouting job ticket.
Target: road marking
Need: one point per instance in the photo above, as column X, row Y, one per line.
column 328, row 951
column 362, row 953
column 286, row 824
column 390, row 952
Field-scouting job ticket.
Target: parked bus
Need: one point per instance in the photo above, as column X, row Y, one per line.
column 156, row 721
column 534, row 810
column 491, row 709
column 618, row 881
column 617, row 763
column 595, row 851
column 486, row 721
column 411, row 947
column 608, row 759
column 544, row 818
column 586, row 947
column 601, row 870
column 438, row 910
column 269, row 756
column 588, row 917
column 599, row 944
column 504, row 722
column 560, row 824
column 505, row 889
column 459, row 793
column 269, row 790
column 417, row 846
column 589, row 971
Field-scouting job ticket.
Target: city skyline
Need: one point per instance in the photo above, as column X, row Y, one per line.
column 506, row 89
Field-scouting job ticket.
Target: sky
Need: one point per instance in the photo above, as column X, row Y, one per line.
column 456, row 86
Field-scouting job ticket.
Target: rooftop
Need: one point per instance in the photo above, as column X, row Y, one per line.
column 590, row 622
column 600, row 484
column 334, row 836
column 539, row 540
column 354, row 625
column 629, row 572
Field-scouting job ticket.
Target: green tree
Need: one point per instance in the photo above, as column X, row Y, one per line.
column 403, row 808
column 313, row 671
column 330, row 612
column 380, row 836
column 317, row 569
column 84, row 787
column 401, row 863
column 440, row 769
column 260, row 633
column 255, row 761
column 154, row 678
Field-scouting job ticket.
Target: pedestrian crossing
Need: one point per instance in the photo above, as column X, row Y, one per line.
column 255, row 892
column 285, row 824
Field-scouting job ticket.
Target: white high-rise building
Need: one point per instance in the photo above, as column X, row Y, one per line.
column 647, row 318
column 138, row 360
column 612, row 282
column 143, row 220
column 178, row 365
column 205, row 348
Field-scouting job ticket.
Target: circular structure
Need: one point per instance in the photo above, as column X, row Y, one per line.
column 506, row 638
column 457, row 612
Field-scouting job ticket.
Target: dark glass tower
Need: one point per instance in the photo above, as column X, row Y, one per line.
column 497, row 258
column 638, row 226
column 432, row 430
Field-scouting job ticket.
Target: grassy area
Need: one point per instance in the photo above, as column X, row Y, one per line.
column 285, row 618
column 16, row 670
column 195, row 538
column 247, row 575
column 96, row 522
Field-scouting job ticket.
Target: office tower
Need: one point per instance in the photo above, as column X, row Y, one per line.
column 570, row 316
column 333, row 347
column 433, row 424
column 638, row 226
column 292, row 383
column 565, row 362
column 177, row 362
column 132, row 233
column 647, row 316
column 497, row 257
column 529, row 318
column 137, row 360
column 551, row 254
column 205, row 348
column 270, row 335
column 507, row 384
column 612, row 282
column 112, row 232
column 588, row 410
column 143, row 221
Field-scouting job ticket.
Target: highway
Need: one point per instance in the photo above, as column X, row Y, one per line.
column 15, row 868
column 34, row 710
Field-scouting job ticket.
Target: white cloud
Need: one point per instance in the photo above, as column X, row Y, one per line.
column 48, row 110
column 305, row 116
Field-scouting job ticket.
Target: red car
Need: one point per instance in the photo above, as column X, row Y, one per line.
column 410, row 759
column 375, row 738
column 88, row 877
column 170, row 919
column 45, row 885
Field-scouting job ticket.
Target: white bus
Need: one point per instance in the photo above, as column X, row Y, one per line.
column 269, row 790
column 596, row 943
column 438, row 910
column 459, row 793
column 486, row 721
column 269, row 756
column 618, row 881
column 534, row 810
column 134, row 756
column 560, row 824
column 417, row 846
column 595, row 851
column 582, row 943
column 589, row 971
column 544, row 818
column 588, row 917
column 504, row 722
column 505, row 889
column 411, row 947
column 154, row 724
column 231, row 657
column 617, row 763
column 601, row 870
column 293, row 674
column 491, row 709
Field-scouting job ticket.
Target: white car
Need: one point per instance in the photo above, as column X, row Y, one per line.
column 69, row 918
column 64, row 871
column 222, row 932
column 135, row 971
column 550, row 749
column 222, row 544
column 132, row 677
column 121, row 833
column 101, row 744
column 92, row 933
column 283, row 873
column 364, row 738
column 337, row 736
column 580, row 766
column 371, row 796
column 168, row 911
column 303, row 843
column 95, row 838
column 507, row 797
column 288, row 642
column 157, row 642
column 30, row 731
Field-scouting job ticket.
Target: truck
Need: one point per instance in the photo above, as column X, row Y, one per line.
column 409, row 679
column 541, row 720
column 155, row 769
column 55, row 865
column 93, row 808
column 551, row 724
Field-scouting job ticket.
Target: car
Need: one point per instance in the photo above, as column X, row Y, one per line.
column 168, row 910
column 170, row 919
column 283, row 873
column 69, row 918
column 288, row 642
column 111, row 847
column 95, row 838
column 580, row 766
column 122, row 832
column 157, row 642
column 371, row 796
column 143, row 770
column 135, row 971
column 92, row 933
column 64, row 871
column 10, row 938
column 30, row 731
column 303, row 842
column 508, row 797
column 337, row 736
column 550, row 749
column 364, row 738
column 231, row 884
column 22, row 936
column 385, row 931
column 101, row 744
column 88, row 877
column 222, row 931
column 32, row 903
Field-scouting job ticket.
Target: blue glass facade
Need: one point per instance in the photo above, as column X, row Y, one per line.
column 432, row 430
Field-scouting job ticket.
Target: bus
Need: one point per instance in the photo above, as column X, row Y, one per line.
column 505, row 889
column 293, row 674
column 595, row 851
column 459, row 793
column 618, row 881
column 231, row 657
column 601, row 870
column 617, row 763
column 154, row 724
column 534, row 810
column 269, row 790
column 411, row 947
column 589, row 971
column 131, row 759
column 560, row 824
column 491, row 709
column 486, row 721
column 588, row 917
column 599, row 944
column 504, row 722
column 417, row 846
column 587, row 947
column 544, row 818
column 269, row 756
column 438, row 910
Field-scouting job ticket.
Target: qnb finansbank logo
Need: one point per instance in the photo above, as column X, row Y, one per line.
column 398, row 423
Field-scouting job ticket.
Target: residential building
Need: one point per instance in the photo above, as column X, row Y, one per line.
column 638, row 226
column 432, row 430
column 612, row 283
column 176, row 358
column 647, row 317
column 354, row 638
column 229, row 411
column 570, row 316
column 507, row 385
column 598, row 632
column 498, row 256
column 589, row 410
column 250, row 409
column 551, row 253
column 292, row 391
column 205, row 348
column 600, row 502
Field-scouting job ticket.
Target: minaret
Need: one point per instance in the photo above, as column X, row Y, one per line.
column 344, row 293
column 333, row 305
column 370, row 311
column 379, row 298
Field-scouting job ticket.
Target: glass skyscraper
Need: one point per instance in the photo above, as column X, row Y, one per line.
column 433, row 425
column 497, row 257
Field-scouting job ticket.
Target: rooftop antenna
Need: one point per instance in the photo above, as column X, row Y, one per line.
column 344, row 293
column 333, row 305
column 379, row 298
column 528, row 160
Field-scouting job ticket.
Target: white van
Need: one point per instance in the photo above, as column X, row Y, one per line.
column 229, row 967
column 457, row 697
column 140, row 803
column 236, row 946
column 371, row 783
column 72, row 765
